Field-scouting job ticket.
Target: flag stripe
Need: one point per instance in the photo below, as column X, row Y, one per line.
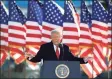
column 33, row 50
column 17, row 55
column 3, row 57
column 70, row 28
column 86, row 68
column 5, row 39
column 71, row 33
column 85, row 52
column 16, row 36
column 96, row 68
column 70, row 37
column 101, row 59
column 71, row 41
column 34, row 35
column 47, row 36
column 109, row 35
column 16, row 28
column 47, row 28
column 4, row 36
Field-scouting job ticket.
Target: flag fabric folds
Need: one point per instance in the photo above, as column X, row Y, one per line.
column 52, row 19
column 85, row 25
column 109, row 36
column 17, row 33
column 99, row 23
column 3, row 28
column 3, row 33
column 89, row 34
column 3, row 57
column 70, row 31
column 99, row 36
column 34, row 27
column 85, row 40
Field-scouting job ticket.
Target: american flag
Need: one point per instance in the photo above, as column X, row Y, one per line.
column 3, row 56
column 99, row 16
column 3, row 33
column 85, row 40
column 76, row 16
column 3, row 27
column 34, row 22
column 85, row 33
column 17, row 33
column 70, row 31
column 21, row 16
column 110, row 35
column 86, row 46
column 52, row 19
column 40, row 3
column 99, row 36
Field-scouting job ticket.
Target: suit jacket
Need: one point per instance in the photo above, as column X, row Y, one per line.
column 47, row 53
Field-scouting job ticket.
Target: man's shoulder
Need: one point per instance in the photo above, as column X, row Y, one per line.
column 50, row 43
column 46, row 44
column 65, row 45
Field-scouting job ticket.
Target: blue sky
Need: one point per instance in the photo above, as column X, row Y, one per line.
column 23, row 4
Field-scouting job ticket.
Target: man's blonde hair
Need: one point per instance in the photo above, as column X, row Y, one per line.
column 58, row 30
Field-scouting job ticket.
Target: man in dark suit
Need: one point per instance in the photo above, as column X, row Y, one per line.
column 56, row 51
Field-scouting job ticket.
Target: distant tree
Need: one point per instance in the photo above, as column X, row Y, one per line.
column 105, row 3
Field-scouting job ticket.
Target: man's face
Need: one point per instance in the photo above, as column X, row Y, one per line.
column 56, row 38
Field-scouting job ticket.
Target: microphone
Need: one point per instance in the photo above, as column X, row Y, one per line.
column 60, row 45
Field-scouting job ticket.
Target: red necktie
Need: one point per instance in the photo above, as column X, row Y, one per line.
column 57, row 52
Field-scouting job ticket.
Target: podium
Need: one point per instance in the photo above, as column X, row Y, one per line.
column 60, row 69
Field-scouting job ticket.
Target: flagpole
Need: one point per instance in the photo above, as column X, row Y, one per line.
column 92, row 60
column 92, row 45
column 108, row 73
column 108, row 64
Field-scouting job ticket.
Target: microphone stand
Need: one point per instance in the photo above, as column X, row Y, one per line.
column 61, row 47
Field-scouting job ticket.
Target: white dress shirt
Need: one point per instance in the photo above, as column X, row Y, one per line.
column 55, row 49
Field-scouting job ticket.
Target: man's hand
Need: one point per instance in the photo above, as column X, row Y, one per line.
column 29, row 56
column 87, row 58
